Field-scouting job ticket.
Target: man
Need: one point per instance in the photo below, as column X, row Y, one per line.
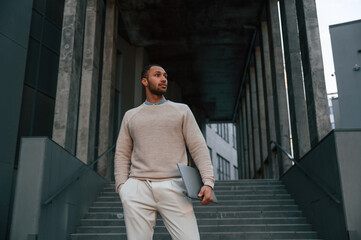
column 151, row 142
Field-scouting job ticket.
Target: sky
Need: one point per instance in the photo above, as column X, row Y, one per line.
column 331, row 12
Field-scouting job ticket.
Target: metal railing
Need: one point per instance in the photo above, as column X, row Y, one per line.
column 77, row 174
column 313, row 179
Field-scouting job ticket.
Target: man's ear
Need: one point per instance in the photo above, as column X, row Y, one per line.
column 145, row 82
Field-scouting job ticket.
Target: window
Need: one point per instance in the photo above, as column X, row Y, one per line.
column 234, row 136
column 210, row 154
column 223, row 168
column 222, row 130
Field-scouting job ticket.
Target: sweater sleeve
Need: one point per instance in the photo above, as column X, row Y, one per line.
column 123, row 152
column 198, row 148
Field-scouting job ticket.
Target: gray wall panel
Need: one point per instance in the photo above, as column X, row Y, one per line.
column 12, row 68
column 346, row 48
column 349, row 160
column 6, row 173
column 44, row 168
column 15, row 21
column 326, row 216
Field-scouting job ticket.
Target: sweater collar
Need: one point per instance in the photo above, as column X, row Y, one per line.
column 157, row 103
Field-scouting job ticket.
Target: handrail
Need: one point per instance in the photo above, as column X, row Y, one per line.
column 76, row 176
column 314, row 180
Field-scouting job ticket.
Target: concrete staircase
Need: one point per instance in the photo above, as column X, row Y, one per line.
column 247, row 209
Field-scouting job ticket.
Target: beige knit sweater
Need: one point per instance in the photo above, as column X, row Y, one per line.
column 152, row 141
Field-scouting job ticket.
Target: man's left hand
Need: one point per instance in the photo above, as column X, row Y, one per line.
column 206, row 195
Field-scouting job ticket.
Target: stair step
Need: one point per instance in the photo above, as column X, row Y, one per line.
column 223, row 192
column 204, row 221
column 206, row 235
column 234, row 183
column 227, row 196
column 220, row 203
column 231, row 214
column 205, row 228
column 213, row 208
column 247, row 209
column 230, row 186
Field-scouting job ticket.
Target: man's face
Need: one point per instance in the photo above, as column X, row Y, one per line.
column 156, row 81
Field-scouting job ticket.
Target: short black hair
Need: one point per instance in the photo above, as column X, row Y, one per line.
column 145, row 70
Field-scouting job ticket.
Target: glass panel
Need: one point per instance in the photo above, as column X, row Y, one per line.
column 36, row 23
column 48, row 74
column 52, row 36
column 54, row 11
column 210, row 154
column 44, row 115
column 39, row 5
column 32, row 62
column 26, row 110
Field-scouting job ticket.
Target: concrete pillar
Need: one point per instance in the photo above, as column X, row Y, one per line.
column 296, row 90
column 278, row 78
column 89, row 83
column 68, row 87
column 316, row 96
column 107, row 91
column 245, row 140
column 138, row 87
column 261, row 105
column 252, row 166
column 130, row 79
column 255, row 123
column 201, row 121
column 200, row 117
column 174, row 91
column 240, row 149
column 268, row 97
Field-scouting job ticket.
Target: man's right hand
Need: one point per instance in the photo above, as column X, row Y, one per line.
column 206, row 194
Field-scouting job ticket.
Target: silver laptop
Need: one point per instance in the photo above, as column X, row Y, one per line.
column 192, row 181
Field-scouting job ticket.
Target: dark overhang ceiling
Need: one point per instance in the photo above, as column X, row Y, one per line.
column 202, row 44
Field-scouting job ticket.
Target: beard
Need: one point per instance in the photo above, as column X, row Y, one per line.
column 154, row 90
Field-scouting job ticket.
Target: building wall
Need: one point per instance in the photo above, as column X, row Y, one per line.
column 14, row 37
column 347, row 59
column 220, row 148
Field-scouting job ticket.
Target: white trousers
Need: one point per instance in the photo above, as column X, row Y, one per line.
column 142, row 200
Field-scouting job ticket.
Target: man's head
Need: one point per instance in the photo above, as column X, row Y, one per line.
column 154, row 79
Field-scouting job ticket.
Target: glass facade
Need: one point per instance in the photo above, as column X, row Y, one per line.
column 39, row 91
column 223, row 168
column 222, row 130
column 234, row 136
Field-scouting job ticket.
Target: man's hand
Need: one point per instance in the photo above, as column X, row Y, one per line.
column 206, row 194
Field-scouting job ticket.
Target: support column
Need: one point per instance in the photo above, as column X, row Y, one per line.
column 252, row 166
column 255, row 123
column 261, row 107
column 296, row 90
column 130, row 85
column 269, row 99
column 89, row 83
column 68, row 87
column 278, row 78
column 245, row 140
column 107, row 91
column 240, row 149
column 316, row 96
column 138, row 87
